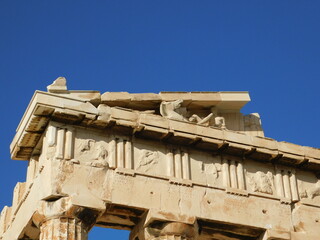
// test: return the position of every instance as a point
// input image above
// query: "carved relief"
(203, 121)
(96, 151)
(209, 169)
(314, 192)
(311, 193)
(86, 145)
(219, 121)
(211, 172)
(100, 157)
(100, 152)
(261, 182)
(174, 110)
(147, 159)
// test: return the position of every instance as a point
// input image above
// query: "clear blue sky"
(269, 48)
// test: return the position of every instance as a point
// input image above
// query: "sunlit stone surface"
(173, 165)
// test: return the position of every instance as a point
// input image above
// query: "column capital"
(154, 228)
(63, 208)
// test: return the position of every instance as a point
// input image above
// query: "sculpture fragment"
(312, 192)
(174, 110)
(261, 182)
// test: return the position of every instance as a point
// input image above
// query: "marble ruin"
(173, 165)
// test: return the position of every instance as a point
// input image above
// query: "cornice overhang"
(45, 107)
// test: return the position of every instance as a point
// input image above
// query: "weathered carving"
(261, 182)
(99, 154)
(147, 160)
(311, 193)
(211, 172)
(219, 121)
(100, 157)
(173, 110)
(183, 175)
(86, 145)
(314, 192)
(203, 121)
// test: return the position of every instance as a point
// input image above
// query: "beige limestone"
(173, 165)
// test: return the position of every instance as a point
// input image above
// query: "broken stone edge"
(45, 107)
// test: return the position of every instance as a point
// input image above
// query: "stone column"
(62, 220)
(63, 228)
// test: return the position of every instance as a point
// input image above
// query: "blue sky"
(269, 48)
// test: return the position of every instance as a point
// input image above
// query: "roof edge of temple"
(45, 107)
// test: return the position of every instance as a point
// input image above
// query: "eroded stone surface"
(165, 166)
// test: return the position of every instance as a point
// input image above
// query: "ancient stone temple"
(173, 165)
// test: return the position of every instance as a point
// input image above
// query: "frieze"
(168, 165)
(261, 182)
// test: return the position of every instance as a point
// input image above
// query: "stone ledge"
(47, 106)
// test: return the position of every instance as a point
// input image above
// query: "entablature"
(168, 165)
(45, 107)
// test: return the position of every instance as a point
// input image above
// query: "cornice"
(45, 107)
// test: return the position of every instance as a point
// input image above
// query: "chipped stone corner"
(173, 165)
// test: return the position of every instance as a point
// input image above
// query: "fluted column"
(63, 228)
(62, 220)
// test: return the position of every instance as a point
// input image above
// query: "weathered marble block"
(173, 165)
